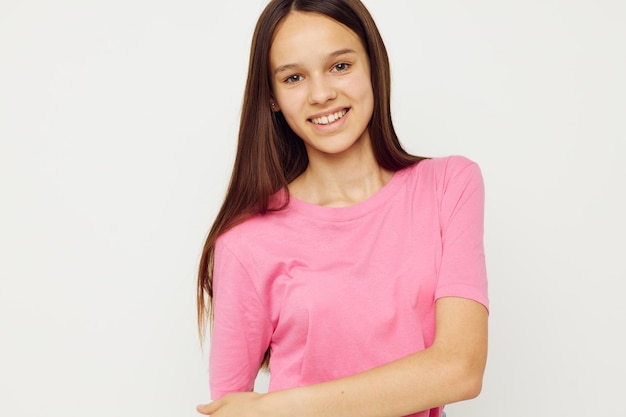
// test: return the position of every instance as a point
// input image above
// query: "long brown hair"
(269, 154)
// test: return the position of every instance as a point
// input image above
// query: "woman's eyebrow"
(335, 54)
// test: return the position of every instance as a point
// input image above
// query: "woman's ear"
(274, 105)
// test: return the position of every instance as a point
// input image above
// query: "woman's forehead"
(304, 36)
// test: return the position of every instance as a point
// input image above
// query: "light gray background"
(118, 122)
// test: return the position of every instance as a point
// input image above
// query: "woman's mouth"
(330, 118)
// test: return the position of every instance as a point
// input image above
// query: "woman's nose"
(321, 90)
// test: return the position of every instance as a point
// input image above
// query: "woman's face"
(321, 83)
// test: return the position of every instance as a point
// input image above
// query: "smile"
(328, 119)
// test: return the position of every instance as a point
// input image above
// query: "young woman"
(353, 268)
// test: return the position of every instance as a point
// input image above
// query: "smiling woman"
(322, 86)
(352, 267)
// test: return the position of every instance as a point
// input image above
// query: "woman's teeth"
(324, 120)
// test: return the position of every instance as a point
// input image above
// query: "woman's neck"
(340, 180)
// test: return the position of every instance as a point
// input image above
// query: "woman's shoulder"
(245, 230)
(441, 176)
(256, 228)
(445, 162)
(443, 167)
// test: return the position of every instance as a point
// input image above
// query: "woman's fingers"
(207, 409)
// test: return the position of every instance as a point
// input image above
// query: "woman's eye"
(293, 78)
(341, 67)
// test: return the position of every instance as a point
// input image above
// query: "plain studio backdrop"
(118, 124)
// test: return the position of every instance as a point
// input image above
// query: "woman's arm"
(450, 370)
(241, 328)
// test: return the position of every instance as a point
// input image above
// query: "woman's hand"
(240, 404)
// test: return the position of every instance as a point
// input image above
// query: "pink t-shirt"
(336, 291)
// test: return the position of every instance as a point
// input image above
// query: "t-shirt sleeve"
(462, 272)
(241, 329)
